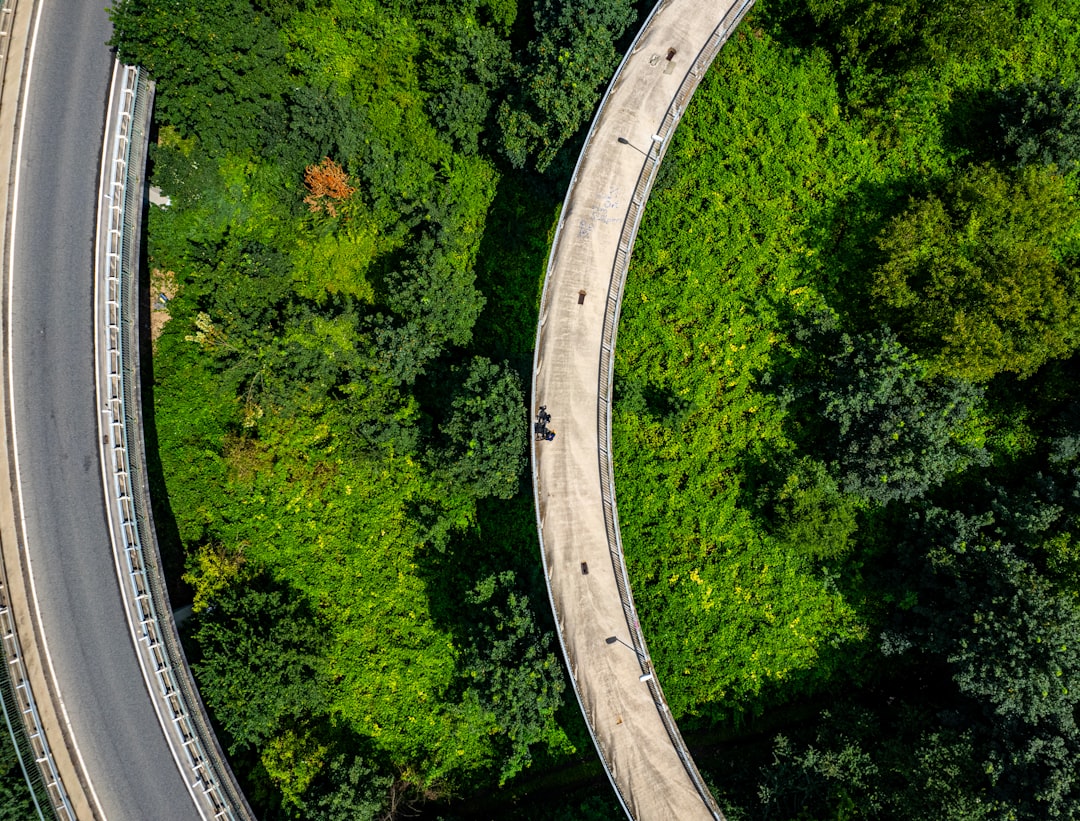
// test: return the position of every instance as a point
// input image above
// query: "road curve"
(59, 504)
(641, 748)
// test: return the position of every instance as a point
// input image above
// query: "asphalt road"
(112, 719)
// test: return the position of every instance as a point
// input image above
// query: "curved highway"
(59, 507)
(642, 750)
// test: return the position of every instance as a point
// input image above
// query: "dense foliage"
(573, 54)
(366, 630)
(16, 803)
(1040, 122)
(847, 456)
(982, 279)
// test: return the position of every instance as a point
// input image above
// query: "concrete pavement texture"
(67, 550)
(621, 700)
(69, 790)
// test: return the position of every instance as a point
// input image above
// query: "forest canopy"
(338, 397)
(847, 446)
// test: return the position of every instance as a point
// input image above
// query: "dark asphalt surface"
(114, 723)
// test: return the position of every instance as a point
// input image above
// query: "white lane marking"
(72, 742)
(109, 156)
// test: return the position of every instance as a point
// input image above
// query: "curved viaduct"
(646, 760)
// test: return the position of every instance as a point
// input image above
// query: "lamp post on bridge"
(644, 677)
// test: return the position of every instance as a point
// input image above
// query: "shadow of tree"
(971, 125)
(844, 238)
(653, 399)
(167, 532)
(511, 263)
(258, 655)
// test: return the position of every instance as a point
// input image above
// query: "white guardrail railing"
(179, 708)
(607, 368)
(47, 793)
(28, 737)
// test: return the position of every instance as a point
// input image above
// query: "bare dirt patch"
(163, 288)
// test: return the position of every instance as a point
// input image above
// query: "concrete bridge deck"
(645, 757)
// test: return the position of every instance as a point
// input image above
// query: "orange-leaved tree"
(327, 182)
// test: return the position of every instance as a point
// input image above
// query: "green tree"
(811, 514)
(223, 63)
(883, 34)
(976, 277)
(434, 290)
(890, 433)
(1041, 123)
(1012, 645)
(1019, 654)
(820, 780)
(511, 670)
(463, 79)
(249, 291)
(403, 350)
(322, 122)
(16, 803)
(568, 62)
(259, 666)
(486, 430)
(877, 763)
(348, 789)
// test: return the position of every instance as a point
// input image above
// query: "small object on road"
(540, 428)
(584, 568)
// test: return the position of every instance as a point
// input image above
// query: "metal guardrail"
(50, 799)
(613, 307)
(176, 700)
(570, 662)
(47, 791)
(607, 370)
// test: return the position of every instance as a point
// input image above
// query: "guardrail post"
(168, 678)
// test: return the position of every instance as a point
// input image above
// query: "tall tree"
(260, 665)
(223, 60)
(1041, 123)
(878, 34)
(889, 432)
(1012, 644)
(463, 79)
(486, 430)
(570, 59)
(348, 789)
(976, 277)
(512, 671)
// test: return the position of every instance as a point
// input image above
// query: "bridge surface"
(118, 764)
(643, 752)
